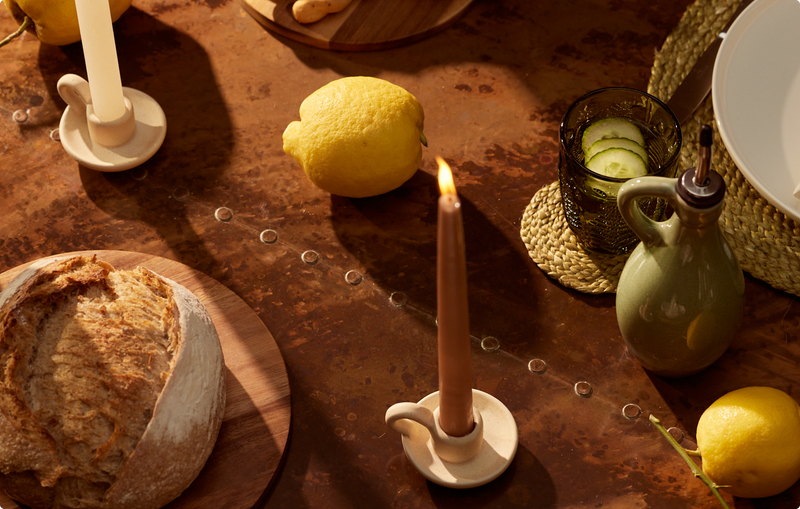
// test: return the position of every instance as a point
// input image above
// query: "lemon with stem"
(53, 21)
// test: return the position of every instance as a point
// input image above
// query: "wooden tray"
(364, 25)
(255, 428)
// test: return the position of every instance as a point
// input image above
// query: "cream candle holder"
(109, 146)
(457, 462)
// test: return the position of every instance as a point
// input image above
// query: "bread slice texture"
(111, 387)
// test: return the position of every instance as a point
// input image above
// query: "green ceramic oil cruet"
(680, 297)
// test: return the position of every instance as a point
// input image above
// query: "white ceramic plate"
(756, 96)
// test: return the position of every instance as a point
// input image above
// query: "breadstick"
(309, 11)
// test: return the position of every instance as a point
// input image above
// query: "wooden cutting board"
(255, 428)
(364, 25)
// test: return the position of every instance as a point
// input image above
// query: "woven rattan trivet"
(765, 241)
(554, 248)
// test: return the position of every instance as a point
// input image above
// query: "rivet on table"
(310, 257)
(676, 433)
(223, 214)
(353, 277)
(20, 116)
(181, 194)
(139, 174)
(398, 299)
(55, 135)
(537, 366)
(490, 343)
(583, 389)
(631, 411)
(268, 236)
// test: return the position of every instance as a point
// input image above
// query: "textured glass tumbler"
(590, 199)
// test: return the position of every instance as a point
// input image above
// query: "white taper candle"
(100, 52)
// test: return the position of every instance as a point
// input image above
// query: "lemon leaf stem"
(685, 455)
(24, 26)
(423, 139)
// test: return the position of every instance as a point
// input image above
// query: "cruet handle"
(645, 228)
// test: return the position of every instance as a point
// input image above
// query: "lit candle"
(100, 52)
(455, 371)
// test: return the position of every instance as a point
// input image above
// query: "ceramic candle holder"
(109, 146)
(456, 462)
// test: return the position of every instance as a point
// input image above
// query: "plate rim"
(718, 95)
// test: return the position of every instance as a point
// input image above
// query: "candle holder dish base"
(481, 464)
(114, 146)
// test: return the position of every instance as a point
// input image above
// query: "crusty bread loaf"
(111, 387)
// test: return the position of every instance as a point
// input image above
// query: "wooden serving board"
(255, 427)
(364, 25)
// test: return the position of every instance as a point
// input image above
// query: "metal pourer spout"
(701, 186)
(704, 157)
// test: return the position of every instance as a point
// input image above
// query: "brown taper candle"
(455, 370)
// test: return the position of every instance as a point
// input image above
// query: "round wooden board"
(255, 428)
(364, 25)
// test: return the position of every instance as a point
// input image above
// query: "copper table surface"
(494, 86)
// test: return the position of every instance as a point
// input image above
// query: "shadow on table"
(534, 43)
(199, 138)
(764, 352)
(526, 483)
(395, 237)
(786, 500)
(502, 279)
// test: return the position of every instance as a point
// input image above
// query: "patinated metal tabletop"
(347, 286)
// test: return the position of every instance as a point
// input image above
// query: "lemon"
(56, 21)
(357, 136)
(749, 439)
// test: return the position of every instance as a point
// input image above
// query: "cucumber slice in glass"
(607, 143)
(613, 127)
(618, 163)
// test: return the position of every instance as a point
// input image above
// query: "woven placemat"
(766, 242)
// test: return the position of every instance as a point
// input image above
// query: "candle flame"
(446, 184)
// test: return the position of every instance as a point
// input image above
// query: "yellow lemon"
(56, 21)
(749, 439)
(357, 136)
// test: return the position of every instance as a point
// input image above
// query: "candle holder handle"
(75, 92)
(400, 417)
(456, 462)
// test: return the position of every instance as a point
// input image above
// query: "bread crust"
(184, 422)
